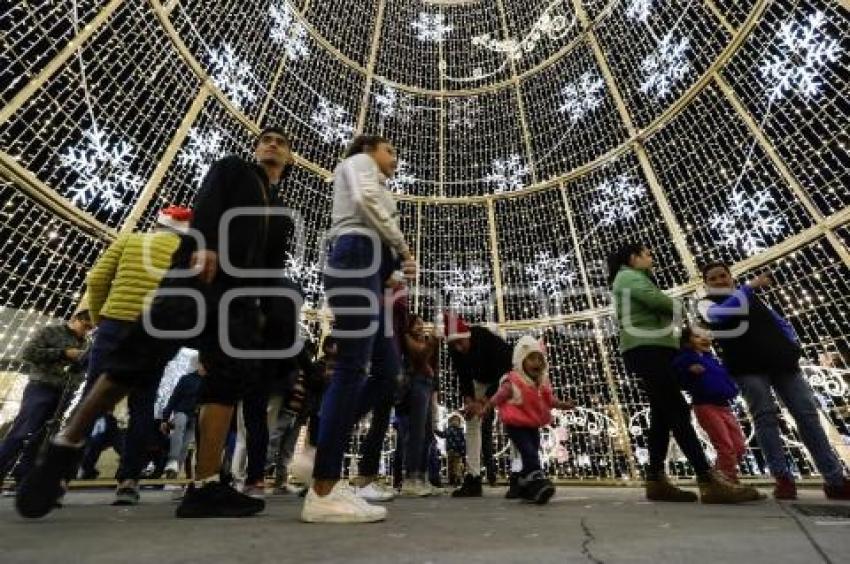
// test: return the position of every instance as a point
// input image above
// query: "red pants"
(726, 436)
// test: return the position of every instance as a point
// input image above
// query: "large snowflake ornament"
(103, 165)
(286, 30)
(402, 178)
(232, 75)
(333, 123)
(202, 148)
(618, 199)
(582, 96)
(639, 10)
(467, 288)
(508, 174)
(667, 65)
(749, 222)
(308, 275)
(463, 112)
(550, 274)
(391, 104)
(431, 27)
(804, 50)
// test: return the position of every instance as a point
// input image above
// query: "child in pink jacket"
(525, 401)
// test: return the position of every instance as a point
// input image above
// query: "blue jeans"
(110, 332)
(376, 395)
(420, 432)
(375, 344)
(527, 441)
(141, 431)
(38, 405)
(797, 396)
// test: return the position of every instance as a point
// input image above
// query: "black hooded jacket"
(489, 358)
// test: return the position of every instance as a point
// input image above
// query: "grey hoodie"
(362, 202)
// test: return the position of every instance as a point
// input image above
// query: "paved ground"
(580, 525)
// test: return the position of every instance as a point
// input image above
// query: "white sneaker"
(341, 505)
(376, 491)
(416, 488)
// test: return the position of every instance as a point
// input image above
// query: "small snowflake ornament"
(666, 66)
(508, 174)
(232, 75)
(618, 199)
(582, 96)
(431, 27)
(750, 221)
(332, 122)
(287, 31)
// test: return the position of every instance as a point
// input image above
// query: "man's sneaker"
(785, 488)
(416, 488)
(44, 486)
(536, 488)
(839, 491)
(513, 486)
(341, 505)
(717, 489)
(172, 470)
(256, 490)
(284, 489)
(471, 487)
(375, 491)
(126, 496)
(661, 489)
(215, 499)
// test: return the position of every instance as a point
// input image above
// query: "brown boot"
(717, 489)
(662, 490)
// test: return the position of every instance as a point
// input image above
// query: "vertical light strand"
(496, 261)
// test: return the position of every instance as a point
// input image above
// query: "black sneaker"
(126, 496)
(215, 499)
(43, 487)
(536, 488)
(471, 487)
(513, 486)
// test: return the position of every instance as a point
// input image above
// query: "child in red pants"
(712, 391)
(525, 401)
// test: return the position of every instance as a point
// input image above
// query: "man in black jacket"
(480, 358)
(222, 270)
(761, 351)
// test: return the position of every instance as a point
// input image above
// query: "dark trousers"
(420, 427)
(107, 337)
(254, 407)
(527, 441)
(38, 405)
(402, 426)
(668, 410)
(361, 338)
(141, 431)
(109, 436)
(375, 396)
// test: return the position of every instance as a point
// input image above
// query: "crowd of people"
(211, 277)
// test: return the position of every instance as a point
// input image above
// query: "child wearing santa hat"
(525, 401)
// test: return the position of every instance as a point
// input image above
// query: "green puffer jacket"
(121, 280)
(645, 315)
(46, 355)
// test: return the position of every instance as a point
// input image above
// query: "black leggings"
(668, 410)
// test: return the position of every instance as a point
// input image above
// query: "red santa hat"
(175, 217)
(456, 327)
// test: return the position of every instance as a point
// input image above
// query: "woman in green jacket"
(649, 323)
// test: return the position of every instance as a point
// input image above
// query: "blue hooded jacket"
(714, 386)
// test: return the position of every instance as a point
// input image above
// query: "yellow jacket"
(120, 280)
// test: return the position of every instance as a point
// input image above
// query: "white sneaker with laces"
(416, 488)
(341, 505)
(376, 491)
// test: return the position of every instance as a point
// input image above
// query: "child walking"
(525, 401)
(712, 390)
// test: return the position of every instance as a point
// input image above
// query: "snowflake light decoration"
(664, 67)
(201, 150)
(391, 104)
(332, 122)
(463, 112)
(551, 274)
(431, 27)
(748, 222)
(232, 75)
(466, 288)
(309, 276)
(287, 31)
(402, 178)
(508, 174)
(803, 52)
(618, 199)
(103, 166)
(582, 96)
(639, 10)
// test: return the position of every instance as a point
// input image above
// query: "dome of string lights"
(533, 137)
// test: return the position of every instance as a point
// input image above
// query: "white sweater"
(362, 202)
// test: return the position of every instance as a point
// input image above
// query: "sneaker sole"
(545, 495)
(342, 519)
(191, 513)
